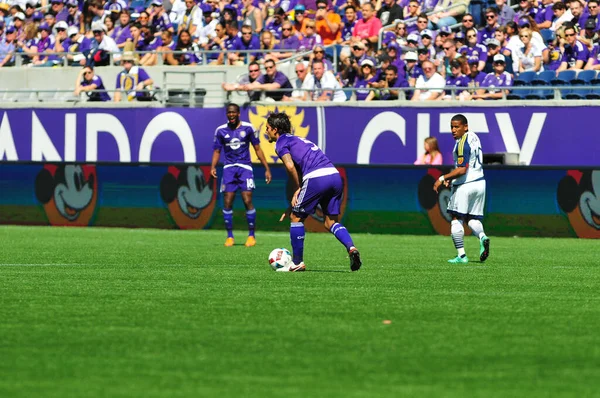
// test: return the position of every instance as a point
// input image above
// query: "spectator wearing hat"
(37, 17)
(59, 10)
(445, 33)
(588, 35)
(133, 80)
(475, 76)
(575, 54)
(494, 47)
(489, 89)
(460, 40)
(412, 40)
(30, 6)
(489, 30)
(413, 69)
(102, 46)
(251, 16)
(322, 85)
(45, 44)
(74, 15)
(115, 6)
(388, 91)
(393, 51)
(77, 46)
(19, 23)
(8, 46)
(554, 58)
(423, 54)
(366, 80)
(91, 84)
(389, 12)
(505, 12)
(327, 23)
(300, 19)
(455, 79)
(427, 37)
(351, 64)
(159, 19)
(208, 31)
(443, 16)
(368, 27)
(60, 36)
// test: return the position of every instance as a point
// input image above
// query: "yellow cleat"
(229, 242)
(251, 241)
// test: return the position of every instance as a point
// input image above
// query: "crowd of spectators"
(441, 48)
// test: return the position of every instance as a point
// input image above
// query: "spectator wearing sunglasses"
(251, 77)
(91, 84)
(318, 54)
(450, 54)
(575, 54)
(488, 31)
(468, 22)
(271, 80)
(529, 56)
(494, 47)
(77, 46)
(366, 80)
(301, 73)
(474, 49)
(289, 41)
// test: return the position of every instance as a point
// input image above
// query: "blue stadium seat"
(581, 85)
(584, 77)
(564, 78)
(595, 90)
(544, 78)
(524, 78)
(518, 94)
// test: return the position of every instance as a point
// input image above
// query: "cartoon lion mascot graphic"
(436, 204)
(68, 193)
(314, 223)
(190, 193)
(578, 195)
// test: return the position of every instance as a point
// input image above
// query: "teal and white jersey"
(467, 153)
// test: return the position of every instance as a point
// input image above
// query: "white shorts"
(468, 200)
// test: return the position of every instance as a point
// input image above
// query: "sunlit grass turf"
(118, 312)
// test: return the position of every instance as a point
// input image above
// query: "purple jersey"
(235, 143)
(492, 80)
(283, 82)
(308, 43)
(478, 50)
(96, 96)
(362, 84)
(305, 154)
(554, 60)
(544, 15)
(347, 30)
(121, 34)
(162, 23)
(595, 54)
(291, 43)
(486, 33)
(575, 53)
(82, 44)
(457, 81)
(274, 28)
(477, 80)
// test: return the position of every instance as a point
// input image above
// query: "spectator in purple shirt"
(499, 78)
(575, 54)
(272, 80)
(91, 84)
(475, 76)
(248, 41)
(8, 45)
(289, 41)
(348, 25)
(545, 16)
(189, 51)
(134, 80)
(474, 49)
(318, 54)
(75, 17)
(77, 46)
(44, 44)
(364, 81)
(455, 79)
(389, 91)
(489, 30)
(594, 60)
(159, 18)
(276, 23)
(311, 38)
(59, 10)
(122, 32)
(148, 43)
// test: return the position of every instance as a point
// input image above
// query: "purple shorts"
(236, 177)
(326, 191)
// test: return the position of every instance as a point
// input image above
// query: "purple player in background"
(234, 139)
(321, 185)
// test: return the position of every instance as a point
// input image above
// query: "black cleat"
(484, 250)
(355, 262)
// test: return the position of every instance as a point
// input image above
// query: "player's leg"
(330, 203)
(250, 217)
(228, 198)
(297, 235)
(457, 207)
(476, 205)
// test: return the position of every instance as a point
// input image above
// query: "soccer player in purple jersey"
(234, 139)
(321, 185)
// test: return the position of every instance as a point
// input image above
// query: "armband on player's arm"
(441, 179)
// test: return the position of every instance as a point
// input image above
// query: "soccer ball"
(280, 259)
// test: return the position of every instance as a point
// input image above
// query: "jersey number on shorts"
(250, 183)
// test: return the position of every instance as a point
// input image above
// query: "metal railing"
(307, 53)
(192, 87)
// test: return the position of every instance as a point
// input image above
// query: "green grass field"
(88, 312)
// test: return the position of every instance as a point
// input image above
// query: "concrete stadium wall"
(521, 201)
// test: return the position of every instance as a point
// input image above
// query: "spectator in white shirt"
(322, 86)
(430, 85)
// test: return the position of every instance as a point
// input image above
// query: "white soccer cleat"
(296, 268)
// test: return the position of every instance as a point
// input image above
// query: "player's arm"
(213, 164)
(462, 164)
(261, 156)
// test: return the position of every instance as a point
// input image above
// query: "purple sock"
(342, 234)
(297, 238)
(251, 218)
(228, 218)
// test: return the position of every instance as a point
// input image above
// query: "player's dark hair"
(236, 106)
(460, 118)
(281, 122)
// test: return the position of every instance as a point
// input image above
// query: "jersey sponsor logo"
(235, 143)
(578, 195)
(258, 118)
(68, 193)
(190, 194)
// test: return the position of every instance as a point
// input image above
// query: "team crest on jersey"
(436, 204)
(68, 193)
(258, 118)
(190, 194)
(578, 195)
(243, 134)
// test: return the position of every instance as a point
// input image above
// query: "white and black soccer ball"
(280, 259)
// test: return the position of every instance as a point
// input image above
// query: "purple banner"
(557, 136)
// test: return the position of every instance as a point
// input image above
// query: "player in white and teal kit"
(468, 189)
